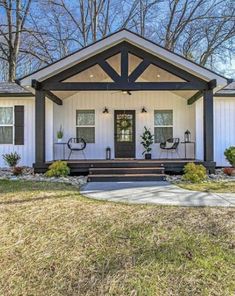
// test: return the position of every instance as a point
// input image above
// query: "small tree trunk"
(12, 70)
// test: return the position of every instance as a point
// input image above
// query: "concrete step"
(117, 171)
(126, 177)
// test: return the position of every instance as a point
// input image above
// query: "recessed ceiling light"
(91, 76)
(158, 75)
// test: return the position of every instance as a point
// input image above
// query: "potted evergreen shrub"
(147, 141)
(60, 135)
(229, 154)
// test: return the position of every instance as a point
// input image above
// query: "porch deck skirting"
(172, 166)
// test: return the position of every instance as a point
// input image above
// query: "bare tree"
(35, 33)
(91, 18)
(200, 29)
(14, 19)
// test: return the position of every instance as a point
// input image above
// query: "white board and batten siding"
(183, 118)
(224, 127)
(27, 151)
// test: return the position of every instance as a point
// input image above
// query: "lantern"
(108, 153)
(187, 136)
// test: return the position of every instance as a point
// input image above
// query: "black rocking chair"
(170, 145)
(76, 144)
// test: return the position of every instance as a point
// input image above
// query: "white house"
(106, 93)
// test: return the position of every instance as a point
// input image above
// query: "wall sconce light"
(106, 110)
(143, 110)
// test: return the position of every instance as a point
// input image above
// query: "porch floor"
(171, 166)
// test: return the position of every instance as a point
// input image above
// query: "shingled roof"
(13, 89)
(227, 91)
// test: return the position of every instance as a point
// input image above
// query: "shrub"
(194, 173)
(229, 153)
(58, 169)
(11, 159)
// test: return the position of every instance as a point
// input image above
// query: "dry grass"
(219, 187)
(54, 242)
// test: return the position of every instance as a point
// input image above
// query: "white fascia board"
(114, 39)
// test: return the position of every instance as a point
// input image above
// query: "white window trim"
(169, 125)
(10, 125)
(93, 125)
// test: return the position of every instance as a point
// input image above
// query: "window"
(85, 125)
(163, 125)
(6, 125)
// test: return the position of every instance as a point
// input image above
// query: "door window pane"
(124, 124)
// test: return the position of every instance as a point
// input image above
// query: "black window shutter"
(19, 125)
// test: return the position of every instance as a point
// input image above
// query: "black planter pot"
(148, 156)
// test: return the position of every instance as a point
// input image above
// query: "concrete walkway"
(161, 193)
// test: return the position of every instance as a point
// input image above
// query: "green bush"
(194, 173)
(11, 159)
(58, 169)
(229, 153)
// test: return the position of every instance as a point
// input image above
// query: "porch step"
(132, 171)
(126, 177)
(126, 164)
(127, 170)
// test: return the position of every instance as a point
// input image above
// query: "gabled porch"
(123, 79)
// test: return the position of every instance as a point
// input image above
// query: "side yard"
(217, 187)
(55, 242)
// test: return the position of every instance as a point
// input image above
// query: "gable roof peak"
(113, 39)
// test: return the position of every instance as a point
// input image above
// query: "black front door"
(124, 133)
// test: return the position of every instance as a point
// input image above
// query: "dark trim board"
(225, 95)
(10, 95)
(172, 166)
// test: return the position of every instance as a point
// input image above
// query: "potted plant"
(60, 135)
(147, 141)
(229, 154)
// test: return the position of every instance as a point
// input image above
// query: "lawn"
(219, 187)
(55, 242)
